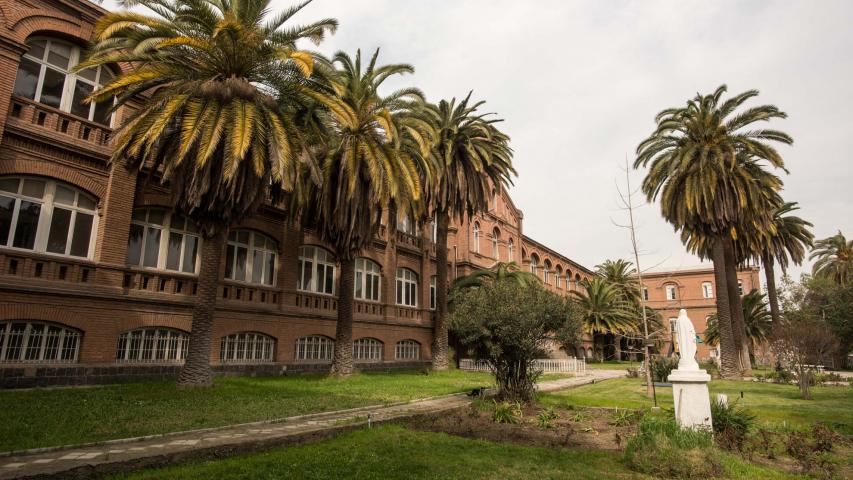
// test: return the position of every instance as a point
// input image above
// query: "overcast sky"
(579, 83)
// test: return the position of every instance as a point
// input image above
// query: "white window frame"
(71, 78)
(673, 322)
(707, 290)
(367, 273)
(645, 294)
(39, 341)
(546, 271)
(407, 350)
(46, 210)
(496, 253)
(476, 237)
(268, 248)
(510, 249)
(406, 292)
(406, 225)
(167, 345)
(367, 349)
(534, 264)
(166, 229)
(314, 257)
(314, 348)
(557, 276)
(671, 291)
(247, 347)
(433, 295)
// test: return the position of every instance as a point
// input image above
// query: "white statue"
(686, 342)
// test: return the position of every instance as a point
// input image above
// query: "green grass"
(42, 418)
(775, 405)
(610, 365)
(392, 452)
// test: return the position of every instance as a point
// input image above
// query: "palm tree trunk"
(736, 305)
(439, 336)
(196, 371)
(617, 347)
(772, 296)
(342, 364)
(728, 354)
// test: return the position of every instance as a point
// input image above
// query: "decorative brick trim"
(20, 166)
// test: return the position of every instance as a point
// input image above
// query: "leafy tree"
(217, 84)
(501, 271)
(508, 325)
(834, 258)
(705, 163)
(475, 158)
(364, 170)
(756, 317)
(603, 309)
(821, 298)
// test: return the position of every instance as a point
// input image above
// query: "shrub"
(731, 424)
(622, 418)
(711, 368)
(507, 412)
(663, 449)
(662, 367)
(579, 417)
(547, 417)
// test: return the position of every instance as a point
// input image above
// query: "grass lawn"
(42, 418)
(392, 452)
(610, 365)
(773, 404)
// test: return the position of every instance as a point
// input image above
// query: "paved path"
(121, 455)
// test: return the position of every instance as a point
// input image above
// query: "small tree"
(800, 343)
(508, 325)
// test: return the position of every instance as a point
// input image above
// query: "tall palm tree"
(834, 258)
(623, 276)
(474, 158)
(502, 271)
(787, 242)
(702, 161)
(364, 171)
(603, 309)
(757, 318)
(215, 80)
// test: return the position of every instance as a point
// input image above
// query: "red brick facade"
(102, 297)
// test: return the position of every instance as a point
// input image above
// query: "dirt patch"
(589, 428)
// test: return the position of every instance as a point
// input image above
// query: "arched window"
(316, 270)
(569, 278)
(534, 263)
(407, 287)
(546, 271)
(406, 225)
(367, 349)
(45, 76)
(493, 202)
(671, 291)
(25, 341)
(407, 350)
(558, 275)
(367, 279)
(496, 235)
(250, 257)
(152, 345)
(432, 294)
(433, 230)
(510, 248)
(707, 290)
(246, 347)
(46, 216)
(315, 347)
(163, 240)
(476, 237)
(645, 294)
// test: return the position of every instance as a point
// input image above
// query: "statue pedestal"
(692, 400)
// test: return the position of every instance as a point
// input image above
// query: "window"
(433, 230)
(534, 261)
(740, 287)
(315, 347)
(163, 240)
(46, 216)
(367, 349)
(510, 246)
(494, 201)
(670, 292)
(152, 345)
(476, 237)
(250, 257)
(316, 270)
(673, 324)
(44, 75)
(407, 350)
(558, 272)
(406, 225)
(38, 342)
(546, 271)
(645, 294)
(496, 235)
(707, 290)
(407, 287)
(246, 347)
(432, 294)
(366, 280)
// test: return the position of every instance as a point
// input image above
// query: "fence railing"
(573, 366)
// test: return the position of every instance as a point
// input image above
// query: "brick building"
(98, 275)
(694, 290)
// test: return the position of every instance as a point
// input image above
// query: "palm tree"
(474, 158)
(757, 318)
(834, 258)
(502, 271)
(215, 81)
(786, 243)
(623, 276)
(603, 309)
(363, 172)
(703, 159)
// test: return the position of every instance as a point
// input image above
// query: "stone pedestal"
(692, 400)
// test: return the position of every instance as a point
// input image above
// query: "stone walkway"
(84, 461)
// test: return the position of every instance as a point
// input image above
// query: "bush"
(622, 418)
(711, 368)
(663, 449)
(662, 367)
(507, 412)
(731, 424)
(547, 417)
